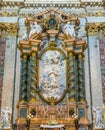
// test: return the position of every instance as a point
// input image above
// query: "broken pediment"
(52, 18)
(52, 25)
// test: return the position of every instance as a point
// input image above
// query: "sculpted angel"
(35, 28)
(25, 36)
(69, 29)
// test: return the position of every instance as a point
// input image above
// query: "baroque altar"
(52, 88)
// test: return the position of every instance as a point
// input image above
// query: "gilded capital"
(72, 100)
(24, 56)
(80, 56)
(70, 54)
(2, 27)
(33, 54)
(93, 28)
(33, 100)
(10, 28)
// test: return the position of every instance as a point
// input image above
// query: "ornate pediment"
(52, 24)
(52, 18)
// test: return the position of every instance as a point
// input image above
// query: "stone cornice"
(80, 15)
(44, 4)
(10, 28)
(81, 9)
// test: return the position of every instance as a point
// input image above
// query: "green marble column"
(34, 75)
(71, 87)
(81, 84)
(23, 87)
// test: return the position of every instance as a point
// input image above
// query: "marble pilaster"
(96, 86)
(18, 68)
(8, 79)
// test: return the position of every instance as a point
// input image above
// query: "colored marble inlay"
(102, 52)
(2, 53)
(2, 59)
(102, 62)
(1, 84)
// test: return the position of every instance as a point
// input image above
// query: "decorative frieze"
(76, 14)
(44, 4)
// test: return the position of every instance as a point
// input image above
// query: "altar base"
(6, 129)
(98, 128)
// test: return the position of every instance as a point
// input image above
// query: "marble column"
(24, 74)
(95, 71)
(8, 79)
(34, 73)
(81, 77)
(71, 79)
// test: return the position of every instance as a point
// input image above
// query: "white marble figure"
(6, 118)
(97, 117)
(81, 32)
(69, 29)
(25, 36)
(35, 28)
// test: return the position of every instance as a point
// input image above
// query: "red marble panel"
(103, 87)
(102, 52)
(2, 59)
(1, 84)
(102, 62)
(2, 53)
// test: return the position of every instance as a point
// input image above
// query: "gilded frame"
(52, 48)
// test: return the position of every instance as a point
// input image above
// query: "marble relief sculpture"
(52, 79)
